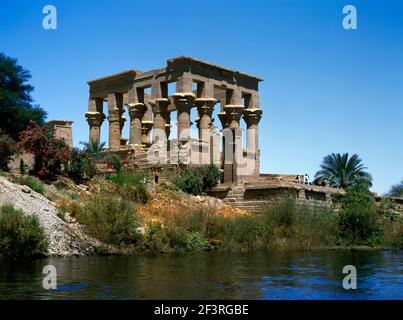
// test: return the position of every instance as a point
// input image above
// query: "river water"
(276, 275)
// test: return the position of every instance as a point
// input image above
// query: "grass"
(20, 235)
(34, 183)
(110, 220)
(130, 185)
(393, 234)
(173, 226)
(284, 226)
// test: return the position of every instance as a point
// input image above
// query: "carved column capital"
(94, 118)
(252, 116)
(159, 105)
(234, 113)
(184, 101)
(205, 105)
(137, 110)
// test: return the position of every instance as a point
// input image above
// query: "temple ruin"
(150, 105)
(158, 104)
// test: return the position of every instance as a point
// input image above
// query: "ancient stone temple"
(147, 102)
(158, 106)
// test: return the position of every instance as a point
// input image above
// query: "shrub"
(198, 179)
(31, 182)
(285, 213)
(50, 153)
(190, 181)
(8, 148)
(156, 239)
(190, 241)
(394, 234)
(211, 176)
(130, 185)
(358, 219)
(80, 166)
(113, 161)
(20, 235)
(109, 220)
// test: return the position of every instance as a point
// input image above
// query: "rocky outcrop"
(64, 238)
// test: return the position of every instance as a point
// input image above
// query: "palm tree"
(94, 149)
(95, 152)
(340, 171)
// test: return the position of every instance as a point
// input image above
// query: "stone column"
(95, 120)
(136, 112)
(95, 117)
(146, 127)
(252, 118)
(205, 107)
(114, 128)
(159, 107)
(233, 141)
(116, 121)
(122, 120)
(183, 102)
(168, 124)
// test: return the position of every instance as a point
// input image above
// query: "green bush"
(155, 240)
(285, 213)
(198, 179)
(130, 185)
(211, 176)
(358, 219)
(113, 161)
(194, 241)
(20, 235)
(109, 220)
(31, 182)
(79, 167)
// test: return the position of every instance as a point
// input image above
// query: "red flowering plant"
(50, 152)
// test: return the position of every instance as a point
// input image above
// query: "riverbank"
(123, 215)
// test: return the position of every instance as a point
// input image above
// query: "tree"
(16, 108)
(8, 148)
(396, 190)
(342, 171)
(94, 149)
(359, 218)
(95, 152)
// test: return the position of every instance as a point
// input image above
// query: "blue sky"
(326, 89)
